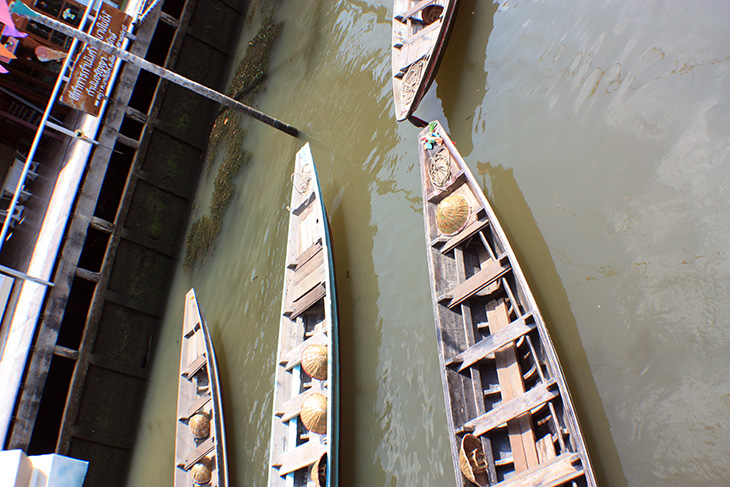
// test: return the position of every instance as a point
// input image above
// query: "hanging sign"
(93, 68)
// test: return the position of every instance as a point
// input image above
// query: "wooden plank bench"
(307, 276)
(418, 35)
(302, 456)
(304, 204)
(471, 229)
(487, 275)
(196, 455)
(414, 10)
(294, 356)
(308, 254)
(195, 366)
(512, 409)
(293, 406)
(561, 470)
(196, 406)
(307, 301)
(490, 344)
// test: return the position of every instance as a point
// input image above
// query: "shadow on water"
(348, 405)
(226, 384)
(459, 80)
(532, 251)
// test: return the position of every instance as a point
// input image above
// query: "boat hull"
(199, 394)
(308, 322)
(421, 29)
(510, 415)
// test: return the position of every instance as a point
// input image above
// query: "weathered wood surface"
(501, 376)
(415, 39)
(198, 391)
(195, 407)
(308, 317)
(560, 471)
(491, 272)
(294, 356)
(488, 345)
(300, 457)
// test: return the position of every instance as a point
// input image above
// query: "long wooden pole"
(153, 68)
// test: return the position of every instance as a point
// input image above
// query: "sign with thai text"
(93, 68)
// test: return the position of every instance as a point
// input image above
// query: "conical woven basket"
(452, 214)
(314, 361)
(314, 413)
(472, 462)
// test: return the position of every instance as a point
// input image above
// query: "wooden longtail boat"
(200, 447)
(305, 422)
(420, 31)
(510, 417)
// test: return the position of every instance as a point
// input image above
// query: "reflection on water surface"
(598, 129)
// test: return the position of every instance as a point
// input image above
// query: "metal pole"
(24, 276)
(41, 125)
(153, 68)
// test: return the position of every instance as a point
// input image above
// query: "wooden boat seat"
(302, 456)
(304, 204)
(487, 275)
(513, 408)
(493, 342)
(418, 35)
(308, 254)
(437, 195)
(414, 10)
(307, 301)
(294, 356)
(559, 471)
(307, 276)
(195, 366)
(293, 406)
(196, 455)
(195, 407)
(192, 328)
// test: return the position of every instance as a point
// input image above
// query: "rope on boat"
(439, 170)
(305, 178)
(412, 80)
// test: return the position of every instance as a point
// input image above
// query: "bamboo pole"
(19, 8)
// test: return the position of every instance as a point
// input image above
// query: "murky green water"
(600, 131)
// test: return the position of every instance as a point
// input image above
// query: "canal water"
(599, 131)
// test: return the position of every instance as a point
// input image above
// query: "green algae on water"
(226, 131)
